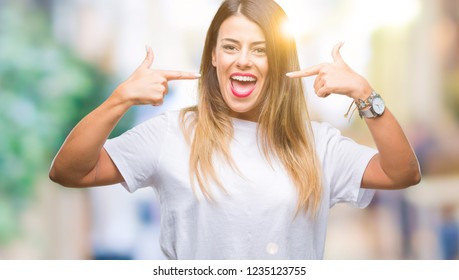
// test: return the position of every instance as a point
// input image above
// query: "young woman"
(245, 174)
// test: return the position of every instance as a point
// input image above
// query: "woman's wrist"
(362, 93)
(119, 102)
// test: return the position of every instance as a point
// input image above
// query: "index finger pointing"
(180, 75)
(310, 71)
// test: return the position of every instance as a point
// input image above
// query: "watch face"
(378, 105)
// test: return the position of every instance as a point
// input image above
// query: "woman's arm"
(82, 161)
(395, 166)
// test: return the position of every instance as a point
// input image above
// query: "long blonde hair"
(284, 125)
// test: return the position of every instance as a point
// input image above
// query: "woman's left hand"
(336, 77)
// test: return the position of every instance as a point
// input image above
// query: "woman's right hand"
(148, 86)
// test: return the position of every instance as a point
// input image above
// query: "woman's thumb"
(148, 59)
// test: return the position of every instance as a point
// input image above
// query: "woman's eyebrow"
(237, 42)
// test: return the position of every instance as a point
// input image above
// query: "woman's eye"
(260, 50)
(229, 48)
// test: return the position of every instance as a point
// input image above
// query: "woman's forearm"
(396, 155)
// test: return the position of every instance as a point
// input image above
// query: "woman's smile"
(243, 84)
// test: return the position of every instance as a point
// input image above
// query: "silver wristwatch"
(372, 107)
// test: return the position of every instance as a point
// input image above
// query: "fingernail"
(147, 47)
(197, 75)
(289, 74)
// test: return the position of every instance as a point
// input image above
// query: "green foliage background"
(45, 89)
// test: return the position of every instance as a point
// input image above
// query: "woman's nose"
(244, 60)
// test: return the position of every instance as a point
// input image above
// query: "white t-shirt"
(256, 219)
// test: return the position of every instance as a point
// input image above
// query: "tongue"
(242, 87)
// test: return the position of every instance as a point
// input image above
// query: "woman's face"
(242, 66)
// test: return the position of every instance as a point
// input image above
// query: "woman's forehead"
(240, 28)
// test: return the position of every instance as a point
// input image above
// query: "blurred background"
(60, 59)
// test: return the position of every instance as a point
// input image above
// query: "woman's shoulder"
(325, 136)
(169, 118)
(323, 129)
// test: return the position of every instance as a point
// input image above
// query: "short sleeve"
(343, 162)
(137, 152)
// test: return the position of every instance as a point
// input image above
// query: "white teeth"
(244, 78)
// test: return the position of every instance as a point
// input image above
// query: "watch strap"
(368, 113)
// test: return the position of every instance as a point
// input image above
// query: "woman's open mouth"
(243, 84)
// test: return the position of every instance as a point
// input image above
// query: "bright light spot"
(288, 29)
(301, 20)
